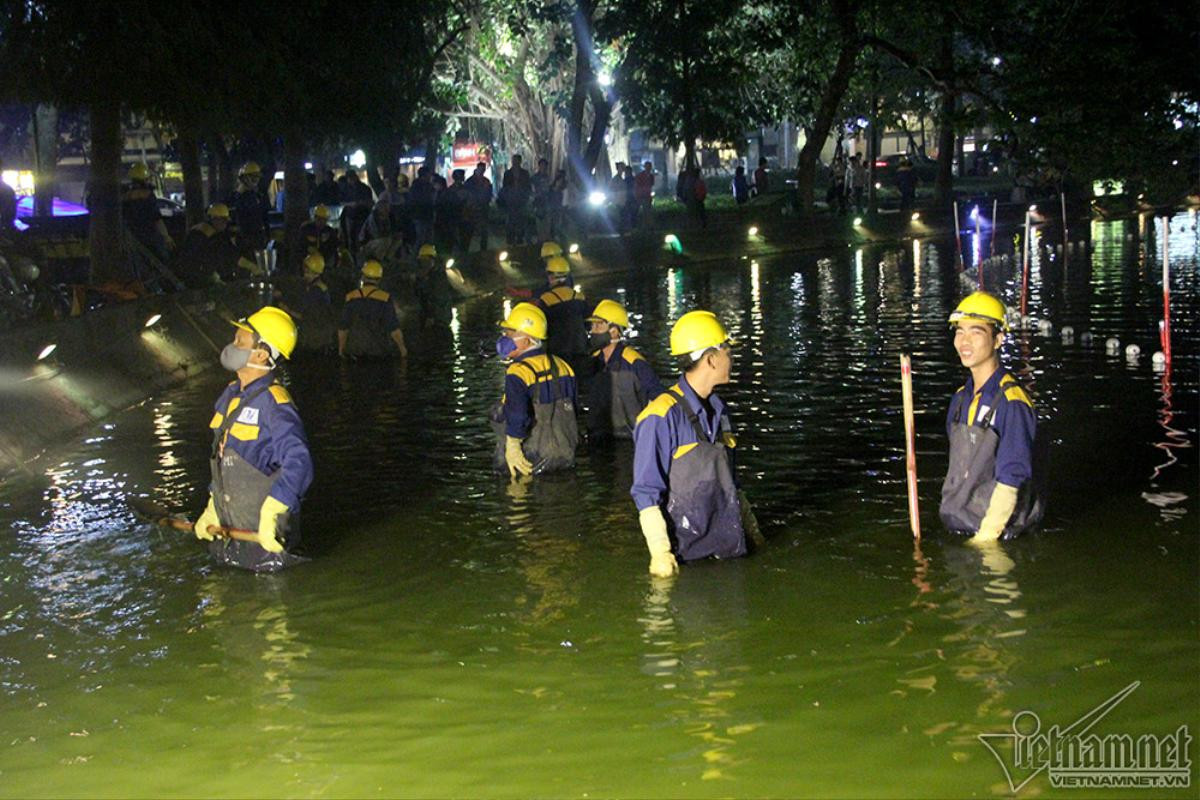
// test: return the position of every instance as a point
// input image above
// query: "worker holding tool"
(689, 504)
(989, 492)
(260, 462)
(534, 420)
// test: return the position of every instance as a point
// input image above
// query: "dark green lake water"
(456, 635)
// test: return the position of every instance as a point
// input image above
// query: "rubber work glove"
(1000, 508)
(268, 521)
(749, 521)
(209, 517)
(654, 529)
(514, 456)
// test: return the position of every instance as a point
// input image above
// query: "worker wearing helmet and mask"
(624, 381)
(989, 492)
(208, 252)
(534, 420)
(689, 504)
(260, 461)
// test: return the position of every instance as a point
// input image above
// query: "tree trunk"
(581, 28)
(831, 99)
(45, 144)
(295, 201)
(602, 112)
(105, 237)
(213, 194)
(188, 145)
(873, 154)
(943, 187)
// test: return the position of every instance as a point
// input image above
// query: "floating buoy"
(1045, 327)
(1132, 351)
(1112, 345)
(1085, 338)
(1159, 359)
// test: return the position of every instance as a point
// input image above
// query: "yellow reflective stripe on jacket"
(631, 355)
(536, 369)
(659, 406)
(240, 430)
(684, 449)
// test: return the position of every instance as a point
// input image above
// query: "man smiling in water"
(989, 491)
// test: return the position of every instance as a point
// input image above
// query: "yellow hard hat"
(218, 211)
(981, 306)
(427, 251)
(551, 249)
(372, 269)
(612, 312)
(321, 211)
(314, 263)
(558, 265)
(139, 172)
(250, 168)
(528, 319)
(273, 326)
(697, 330)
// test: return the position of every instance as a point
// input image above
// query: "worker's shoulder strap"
(551, 369)
(244, 402)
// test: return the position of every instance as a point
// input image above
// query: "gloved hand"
(209, 517)
(749, 521)
(654, 529)
(1000, 508)
(268, 522)
(514, 456)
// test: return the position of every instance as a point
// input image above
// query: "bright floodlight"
(503, 256)
(150, 323)
(46, 351)
(597, 199)
(753, 230)
(573, 249)
(858, 220)
(449, 263)
(358, 159)
(916, 216)
(604, 79)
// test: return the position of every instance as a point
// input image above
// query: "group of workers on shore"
(557, 346)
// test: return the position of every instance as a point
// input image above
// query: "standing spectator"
(451, 205)
(514, 196)
(630, 200)
(906, 182)
(480, 190)
(378, 224)
(556, 197)
(741, 188)
(856, 181)
(421, 199)
(836, 196)
(541, 199)
(762, 179)
(643, 194)
(326, 192)
(616, 196)
(357, 202)
(699, 195)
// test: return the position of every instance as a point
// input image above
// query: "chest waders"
(368, 337)
(238, 491)
(567, 334)
(970, 480)
(702, 501)
(617, 398)
(554, 436)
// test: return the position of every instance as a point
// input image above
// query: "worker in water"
(320, 236)
(260, 462)
(309, 302)
(139, 209)
(534, 421)
(688, 500)
(369, 326)
(208, 252)
(250, 211)
(624, 381)
(989, 492)
(432, 288)
(566, 311)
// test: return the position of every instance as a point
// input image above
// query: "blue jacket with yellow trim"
(371, 305)
(1015, 422)
(625, 357)
(268, 434)
(664, 433)
(528, 373)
